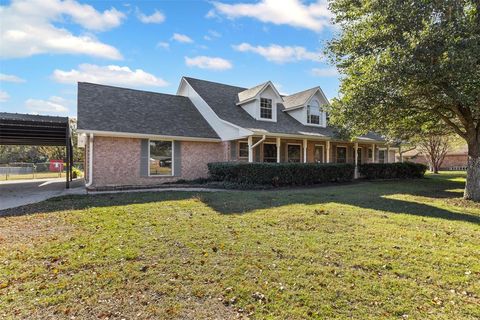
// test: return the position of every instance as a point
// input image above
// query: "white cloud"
(52, 105)
(212, 34)
(313, 16)
(28, 28)
(182, 38)
(325, 72)
(163, 45)
(10, 78)
(113, 75)
(4, 96)
(155, 17)
(212, 63)
(280, 54)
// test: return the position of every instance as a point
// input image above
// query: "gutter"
(90, 161)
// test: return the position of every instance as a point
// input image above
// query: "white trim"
(173, 160)
(144, 136)
(90, 161)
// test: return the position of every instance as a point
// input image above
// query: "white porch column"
(356, 161)
(388, 153)
(373, 153)
(250, 150)
(328, 152)
(278, 150)
(304, 150)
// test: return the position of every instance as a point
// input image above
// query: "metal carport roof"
(37, 130)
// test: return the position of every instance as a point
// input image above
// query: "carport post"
(67, 153)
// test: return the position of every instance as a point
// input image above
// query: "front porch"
(308, 150)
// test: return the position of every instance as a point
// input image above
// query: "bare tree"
(435, 148)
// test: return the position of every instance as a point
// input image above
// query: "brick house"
(455, 159)
(139, 138)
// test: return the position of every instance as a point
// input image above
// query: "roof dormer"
(261, 101)
(308, 107)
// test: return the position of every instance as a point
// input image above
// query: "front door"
(318, 156)
(359, 155)
(269, 152)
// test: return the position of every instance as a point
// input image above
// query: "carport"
(36, 130)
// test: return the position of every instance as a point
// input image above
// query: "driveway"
(21, 192)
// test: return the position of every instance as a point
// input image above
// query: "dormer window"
(314, 114)
(265, 108)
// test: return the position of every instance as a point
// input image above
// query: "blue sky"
(46, 46)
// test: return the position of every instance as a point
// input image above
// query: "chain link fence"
(24, 170)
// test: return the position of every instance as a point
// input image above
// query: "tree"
(435, 148)
(406, 63)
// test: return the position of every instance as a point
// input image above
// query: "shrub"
(76, 173)
(399, 170)
(280, 174)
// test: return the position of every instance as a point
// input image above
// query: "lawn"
(367, 250)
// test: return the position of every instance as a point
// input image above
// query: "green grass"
(366, 250)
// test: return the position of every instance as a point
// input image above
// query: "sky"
(47, 46)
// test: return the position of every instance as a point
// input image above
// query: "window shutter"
(233, 150)
(177, 159)
(283, 150)
(144, 158)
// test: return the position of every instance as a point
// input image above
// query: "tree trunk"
(472, 186)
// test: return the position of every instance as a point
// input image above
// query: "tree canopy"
(406, 64)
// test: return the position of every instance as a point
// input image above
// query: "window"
(318, 154)
(293, 153)
(243, 150)
(370, 153)
(381, 156)
(265, 108)
(160, 158)
(341, 154)
(314, 113)
(269, 152)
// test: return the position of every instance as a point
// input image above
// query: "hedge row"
(280, 174)
(399, 170)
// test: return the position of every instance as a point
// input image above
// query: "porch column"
(373, 153)
(304, 150)
(388, 153)
(328, 152)
(356, 161)
(250, 151)
(278, 150)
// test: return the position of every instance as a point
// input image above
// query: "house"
(455, 159)
(139, 138)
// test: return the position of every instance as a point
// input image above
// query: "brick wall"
(454, 160)
(116, 161)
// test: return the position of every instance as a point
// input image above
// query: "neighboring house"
(455, 159)
(135, 138)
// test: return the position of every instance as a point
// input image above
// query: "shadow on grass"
(367, 195)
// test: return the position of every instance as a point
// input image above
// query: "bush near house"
(400, 170)
(280, 174)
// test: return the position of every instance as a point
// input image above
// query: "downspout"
(251, 147)
(90, 161)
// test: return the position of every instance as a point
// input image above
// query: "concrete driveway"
(21, 192)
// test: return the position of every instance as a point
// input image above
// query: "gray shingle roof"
(222, 97)
(248, 94)
(298, 99)
(107, 108)
(32, 117)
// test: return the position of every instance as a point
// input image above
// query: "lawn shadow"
(377, 195)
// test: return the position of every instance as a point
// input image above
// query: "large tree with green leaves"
(406, 63)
